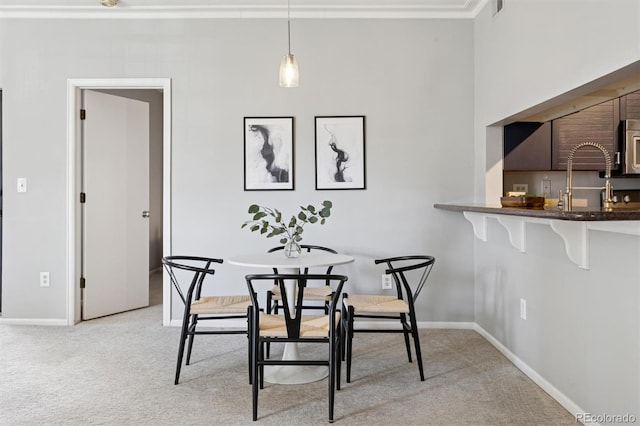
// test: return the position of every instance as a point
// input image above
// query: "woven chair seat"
(310, 293)
(310, 326)
(376, 303)
(221, 305)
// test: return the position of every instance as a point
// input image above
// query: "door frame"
(74, 161)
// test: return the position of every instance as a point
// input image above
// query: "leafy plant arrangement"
(271, 222)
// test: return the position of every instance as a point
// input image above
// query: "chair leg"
(344, 320)
(338, 356)
(192, 329)
(416, 342)
(261, 345)
(332, 375)
(183, 339)
(269, 308)
(269, 301)
(255, 378)
(405, 331)
(250, 344)
(342, 326)
(349, 339)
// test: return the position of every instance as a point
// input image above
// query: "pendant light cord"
(289, 26)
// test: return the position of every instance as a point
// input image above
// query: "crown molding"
(468, 10)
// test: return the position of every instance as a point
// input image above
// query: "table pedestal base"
(293, 374)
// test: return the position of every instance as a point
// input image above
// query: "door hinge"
(83, 198)
(83, 282)
(83, 114)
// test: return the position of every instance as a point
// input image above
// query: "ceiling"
(417, 9)
(616, 84)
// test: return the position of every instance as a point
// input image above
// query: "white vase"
(292, 249)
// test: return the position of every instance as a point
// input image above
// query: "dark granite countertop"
(577, 214)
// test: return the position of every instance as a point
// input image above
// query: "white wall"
(413, 81)
(582, 333)
(535, 50)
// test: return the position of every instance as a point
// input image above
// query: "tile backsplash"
(538, 182)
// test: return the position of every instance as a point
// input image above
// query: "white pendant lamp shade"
(289, 75)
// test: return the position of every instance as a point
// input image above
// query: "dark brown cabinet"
(598, 124)
(630, 106)
(527, 146)
(546, 146)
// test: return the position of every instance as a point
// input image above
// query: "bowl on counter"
(523, 202)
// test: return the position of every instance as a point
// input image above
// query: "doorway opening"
(158, 91)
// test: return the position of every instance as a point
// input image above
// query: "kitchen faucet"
(607, 195)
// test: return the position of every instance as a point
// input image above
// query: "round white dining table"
(291, 374)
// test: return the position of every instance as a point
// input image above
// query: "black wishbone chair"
(315, 298)
(294, 327)
(410, 274)
(202, 308)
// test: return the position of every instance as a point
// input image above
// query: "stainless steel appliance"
(626, 199)
(631, 147)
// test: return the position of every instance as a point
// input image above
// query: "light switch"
(22, 184)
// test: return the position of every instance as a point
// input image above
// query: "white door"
(115, 240)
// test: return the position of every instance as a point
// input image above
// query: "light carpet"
(119, 370)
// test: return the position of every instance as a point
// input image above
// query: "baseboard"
(33, 321)
(381, 325)
(393, 324)
(562, 399)
(447, 325)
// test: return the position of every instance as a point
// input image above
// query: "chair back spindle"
(399, 272)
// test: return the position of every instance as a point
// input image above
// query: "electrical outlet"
(520, 187)
(21, 185)
(44, 279)
(386, 282)
(523, 309)
(546, 188)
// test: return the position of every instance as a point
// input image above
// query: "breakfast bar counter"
(573, 226)
(577, 214)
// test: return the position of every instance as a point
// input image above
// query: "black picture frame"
(268, 154)
(340, 152)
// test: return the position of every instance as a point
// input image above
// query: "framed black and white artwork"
(268, 153)
(340, 160)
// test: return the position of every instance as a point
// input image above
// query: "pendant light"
(289, 75)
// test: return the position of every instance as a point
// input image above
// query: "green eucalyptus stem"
(288, 231)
